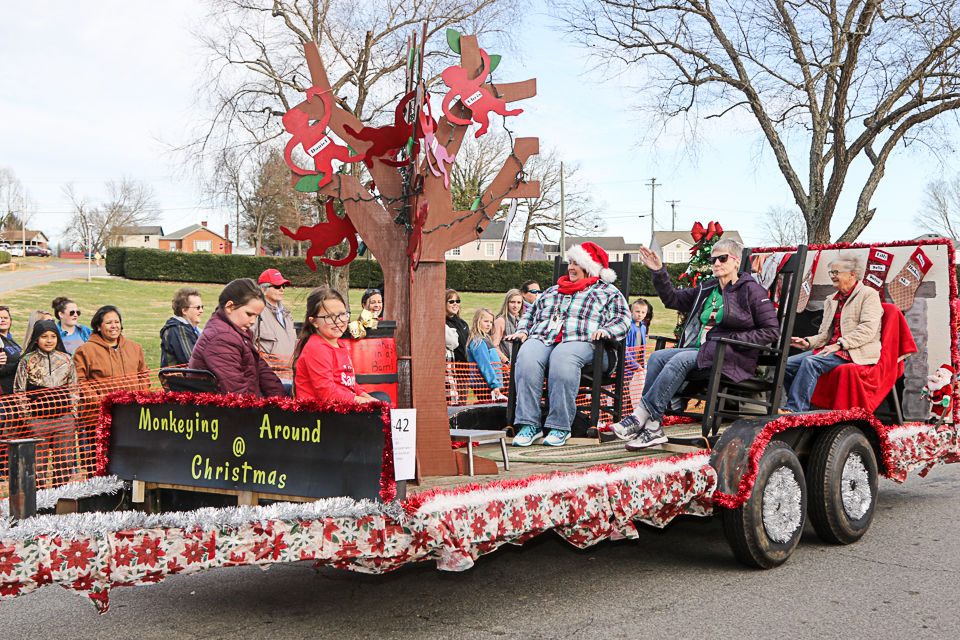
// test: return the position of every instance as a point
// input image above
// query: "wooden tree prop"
(410, 247)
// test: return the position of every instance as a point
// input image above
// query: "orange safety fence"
(65, 418)
(465, 385)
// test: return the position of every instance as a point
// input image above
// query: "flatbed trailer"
(764, 476)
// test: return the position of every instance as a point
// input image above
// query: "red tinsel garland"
(862, 416)
(414, 502)
(388, 486)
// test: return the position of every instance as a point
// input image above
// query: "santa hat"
(593, 260)
(947, 367)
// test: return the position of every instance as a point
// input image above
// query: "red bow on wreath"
(699, 233)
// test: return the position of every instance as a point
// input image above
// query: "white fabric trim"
(562, 483)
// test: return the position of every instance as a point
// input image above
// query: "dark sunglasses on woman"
(721, 259)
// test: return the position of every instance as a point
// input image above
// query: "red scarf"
(568, 288)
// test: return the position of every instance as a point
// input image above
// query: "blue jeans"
(566, 359)
(666, 371)
(800, 379)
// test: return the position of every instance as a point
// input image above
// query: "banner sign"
(265, 449)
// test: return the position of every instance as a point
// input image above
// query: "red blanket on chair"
(864, 385)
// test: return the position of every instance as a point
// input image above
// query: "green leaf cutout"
(410, 58)
(453, 39)
(475, 205)
(309, 184)
(494, 61)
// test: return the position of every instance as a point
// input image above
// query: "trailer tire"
(765, 530)
(842, 480)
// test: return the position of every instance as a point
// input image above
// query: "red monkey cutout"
(474, 96)
(327, 234)
(433, 147)
(314, 139)
(387, 140)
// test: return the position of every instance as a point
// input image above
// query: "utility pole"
(563, 219)
(673, 214)
(653, 189)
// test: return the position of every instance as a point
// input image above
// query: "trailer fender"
(736, 453)
(731, 454)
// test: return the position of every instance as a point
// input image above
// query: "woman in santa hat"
(558, 330)
(726, 306)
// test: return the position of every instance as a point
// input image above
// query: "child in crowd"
(322, 367)
(642, 315)
(45, 364)
(480, 349)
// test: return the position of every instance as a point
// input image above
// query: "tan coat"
(272, 337)
(859, 325)
(96, 360)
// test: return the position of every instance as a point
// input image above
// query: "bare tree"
(941, 208)
(128, 203)
(271, 202)
(783, 227)
(12, 195)
(475, 168)
(256, 70)
(855, 80)
(541, 215)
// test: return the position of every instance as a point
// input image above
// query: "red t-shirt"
(325, 372)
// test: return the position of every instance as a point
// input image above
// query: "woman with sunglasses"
(725, 306)
(458, 324)
(182, 330)
(72, 332)
(226, 347)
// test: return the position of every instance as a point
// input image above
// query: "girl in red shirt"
(322, 368)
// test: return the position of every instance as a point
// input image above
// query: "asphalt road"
(899, 581)
(51, 272)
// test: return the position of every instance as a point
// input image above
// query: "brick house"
(198, 237)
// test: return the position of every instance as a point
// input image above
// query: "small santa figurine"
(938, 391)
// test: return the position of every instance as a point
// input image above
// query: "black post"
(22, 454)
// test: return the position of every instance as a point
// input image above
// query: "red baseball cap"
(272, 276)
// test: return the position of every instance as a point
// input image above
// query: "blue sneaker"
(527, 435)
(556, 438)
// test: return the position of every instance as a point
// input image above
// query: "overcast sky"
(95, 91)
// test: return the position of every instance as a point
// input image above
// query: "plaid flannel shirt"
(599, 306)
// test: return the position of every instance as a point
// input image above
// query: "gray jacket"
(271, 336)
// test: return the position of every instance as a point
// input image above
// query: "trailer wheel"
(842, 481)
(766, 529)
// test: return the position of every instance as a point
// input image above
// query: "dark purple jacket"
(748, 315)
(229, 353)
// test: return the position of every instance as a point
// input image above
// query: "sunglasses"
(721, 259)
(198, 307)
(278, 286)
(73, 313)
(453, 301)
(535, 292)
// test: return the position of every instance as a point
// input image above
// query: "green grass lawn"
(145, 306)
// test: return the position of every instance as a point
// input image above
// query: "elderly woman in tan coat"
(850, 332)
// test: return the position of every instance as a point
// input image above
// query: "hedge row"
(4, 257)
(470, 275)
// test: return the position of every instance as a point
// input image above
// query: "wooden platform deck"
(577, 454)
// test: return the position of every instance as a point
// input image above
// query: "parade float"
(374, 488)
